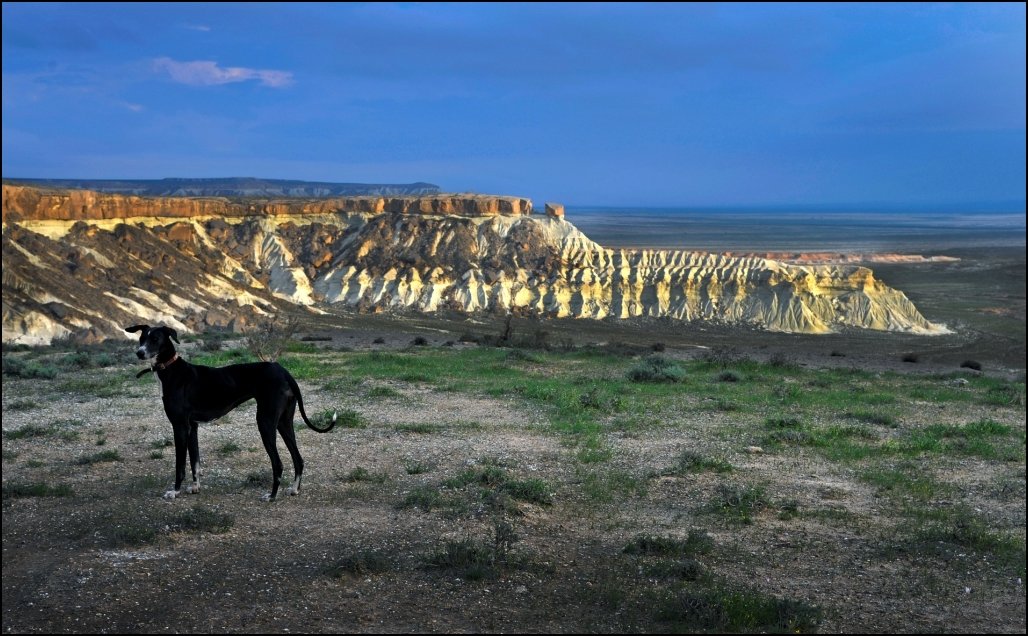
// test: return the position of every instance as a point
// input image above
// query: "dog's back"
(211, 392)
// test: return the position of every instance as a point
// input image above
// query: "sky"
(734, 105)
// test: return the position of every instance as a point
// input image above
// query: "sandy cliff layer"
(223, 263)
(24, 203)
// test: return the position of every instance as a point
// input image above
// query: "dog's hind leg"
(194, 457)
(285, 429)
(266, 423)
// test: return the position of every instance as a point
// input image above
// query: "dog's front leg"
(181, 445)
(194, 457)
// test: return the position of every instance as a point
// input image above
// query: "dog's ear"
(173, 334)
(135, 328)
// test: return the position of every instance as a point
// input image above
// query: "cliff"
(84, 262)
(26, 203)
(232, 187)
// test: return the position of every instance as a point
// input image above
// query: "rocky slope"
(85, 263)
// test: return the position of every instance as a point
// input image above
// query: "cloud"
(208, 73)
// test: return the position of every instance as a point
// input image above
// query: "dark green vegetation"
(590, 488)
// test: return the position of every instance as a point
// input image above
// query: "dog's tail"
(299, 401)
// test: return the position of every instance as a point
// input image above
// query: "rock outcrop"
(83, 262)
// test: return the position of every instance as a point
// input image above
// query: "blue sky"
(642, 105)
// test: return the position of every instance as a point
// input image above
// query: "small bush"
(729, 376)
(656, 369)
(781, 361)
(722, 356)
(912, 358)
(271, 337)
(971, 364)
(739, 503)
(698, 542)
(419, 341)
(379, 340)
(467, 557)
(360, 564)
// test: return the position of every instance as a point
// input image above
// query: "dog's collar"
(160, 366)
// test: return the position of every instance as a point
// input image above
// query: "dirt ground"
(113, 556)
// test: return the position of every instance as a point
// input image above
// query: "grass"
(690, 462)
(725, 608)
(696, 543)
(36, 489)
(110, 455)
(66, 430)
(361, 474)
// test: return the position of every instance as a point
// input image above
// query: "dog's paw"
(292, 491)
(194, 488)
(171, 494)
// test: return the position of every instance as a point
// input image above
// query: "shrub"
(971, 364)
(656, 369)
(360, 564)
(419, 341)
(270, 338)
(911, 357)
(728, 376)
(379, 340)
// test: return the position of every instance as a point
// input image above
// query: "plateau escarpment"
(78, 262)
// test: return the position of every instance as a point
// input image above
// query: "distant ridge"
(232, 187)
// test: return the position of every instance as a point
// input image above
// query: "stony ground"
(450, 505)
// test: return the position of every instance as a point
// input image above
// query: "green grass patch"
(21, 405)
(229, 448)
(110, 455)
(361, 474)
(64, 429)
(35, 489)
(384, 392)
(202, 519)
(721, 609)
(420, 428)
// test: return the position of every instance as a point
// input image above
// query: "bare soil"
(113, 556)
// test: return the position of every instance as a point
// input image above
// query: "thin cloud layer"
(208, 73)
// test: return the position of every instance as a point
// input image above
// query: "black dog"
(194, 394)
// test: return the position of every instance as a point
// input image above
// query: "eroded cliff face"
(195, 263)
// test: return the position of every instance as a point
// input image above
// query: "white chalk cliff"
(211, 262)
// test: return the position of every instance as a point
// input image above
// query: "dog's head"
(154, 340)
